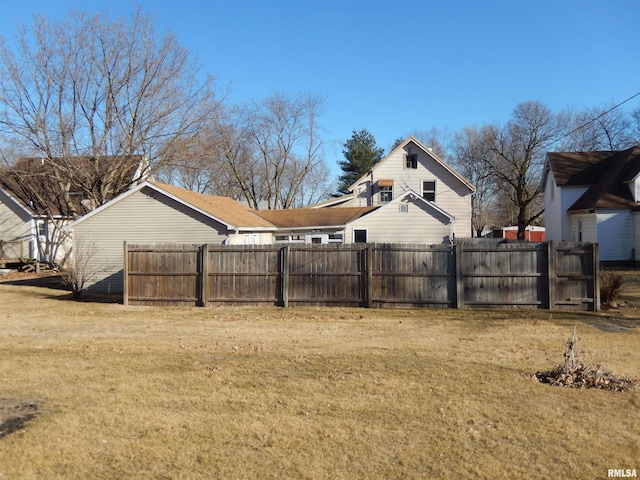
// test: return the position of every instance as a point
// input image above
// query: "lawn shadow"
(55, 282)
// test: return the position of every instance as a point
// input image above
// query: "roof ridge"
(612, 176)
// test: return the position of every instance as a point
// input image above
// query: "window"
(251, 239)
(579, 230)
(41, 229)
(335, 238)
(359, 236)
(429, 190)
(316, 240)
(404, 208)
(386, 194)
(412, 160)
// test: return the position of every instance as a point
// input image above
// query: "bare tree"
(89, 86)
(283, 149)
(472, 153)
(635, 119)
(517, 155)
(594, 129)
(199, 164)
(267, 153)
(434, 138)
(81, 268)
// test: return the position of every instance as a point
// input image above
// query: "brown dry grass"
(140, 392)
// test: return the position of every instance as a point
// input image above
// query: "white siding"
(636, 234)
(452, 195)
(552, 210)
(634, 186)
(568, 196)
(138, 218)
(15, 223)
(250, 238)
(389, 225)
(615, 235)
(585, 223)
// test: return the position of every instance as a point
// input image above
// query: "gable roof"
(427, 151)
(607, 173)
(224, 210)
(238, 216)
(413, 196)
(313, 217)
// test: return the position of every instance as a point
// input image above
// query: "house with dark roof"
(34, 209)
(594, 197)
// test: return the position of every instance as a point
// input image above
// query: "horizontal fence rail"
(469, 274)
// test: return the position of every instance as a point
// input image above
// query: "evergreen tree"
(360, 153)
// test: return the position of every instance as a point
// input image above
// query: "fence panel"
(413, 275)
(327, 275)
(243, 275)
(163, 274)
(505, 275)
(576, 285)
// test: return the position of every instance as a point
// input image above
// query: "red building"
(531, 233)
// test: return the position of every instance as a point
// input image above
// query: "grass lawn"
(314, 393)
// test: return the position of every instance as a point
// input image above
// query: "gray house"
(154, 213)
(412, 167)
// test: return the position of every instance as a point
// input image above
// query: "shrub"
(610, 286)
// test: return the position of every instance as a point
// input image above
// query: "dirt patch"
(15, 413)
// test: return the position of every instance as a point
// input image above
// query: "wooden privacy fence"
(475, 274)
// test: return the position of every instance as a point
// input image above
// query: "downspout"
(229, 237)
(452, 234)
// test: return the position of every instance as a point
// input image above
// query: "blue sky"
(394, 67)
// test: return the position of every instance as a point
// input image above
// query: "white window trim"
(435, 188)
(353, 235)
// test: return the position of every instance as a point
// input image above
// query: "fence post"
(596, 276)
(125, 273)
(458, 250)
(552, 267)
(204, 275)
(369, 276)
(285, 275)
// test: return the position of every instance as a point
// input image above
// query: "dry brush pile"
(574, 374)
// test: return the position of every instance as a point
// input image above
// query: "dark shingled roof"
(31, 181)
(606, 173)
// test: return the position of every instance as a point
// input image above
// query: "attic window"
(404, 208)
(411, 160)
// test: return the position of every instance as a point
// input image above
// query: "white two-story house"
(409, 172)
(595, 197)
